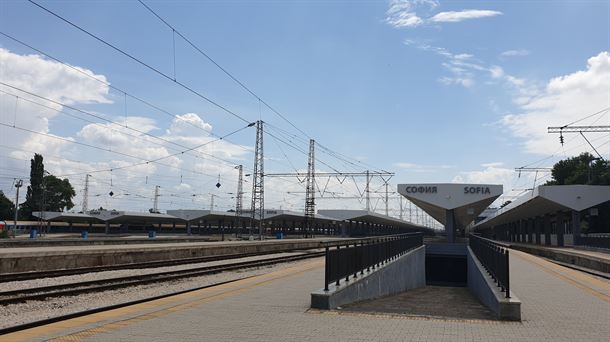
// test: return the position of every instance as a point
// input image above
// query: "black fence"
(593, 241)
(343, 261)
(494, 257)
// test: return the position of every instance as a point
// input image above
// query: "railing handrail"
(353, 257)
(499, 243)
(351, 241)
(494, 258)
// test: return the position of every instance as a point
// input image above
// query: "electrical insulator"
(561, 139)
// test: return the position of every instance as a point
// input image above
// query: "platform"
(25, 259)
(559, 304)
(588, 260)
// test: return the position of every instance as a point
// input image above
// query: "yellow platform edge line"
(578, 279)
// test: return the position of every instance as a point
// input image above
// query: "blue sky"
(437, 91)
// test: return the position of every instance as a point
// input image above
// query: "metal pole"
(326, 269)
(18, 184)
(386, 199)
(367, 191)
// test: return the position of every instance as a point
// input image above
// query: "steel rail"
(10, 277)
(41, 293)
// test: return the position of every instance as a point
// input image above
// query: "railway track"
(70, 289)
(10, 277)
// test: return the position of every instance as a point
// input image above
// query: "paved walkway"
(568, 249)
(559, 304)
(46, 250)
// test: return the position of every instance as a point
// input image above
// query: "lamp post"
(43, 202)
(18, 184)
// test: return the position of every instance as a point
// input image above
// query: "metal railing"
(343, 261)
(593, 241)
(494, 258)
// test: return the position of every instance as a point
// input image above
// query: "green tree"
(46, 192)
(58, 194)
(582, 169)
(7, 208)
(33, 197)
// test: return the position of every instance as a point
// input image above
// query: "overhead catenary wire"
(150, 67)
(225, 71)
(242, 85)
(125, 93)
(124, 53)
(139, 61)
(100, 118)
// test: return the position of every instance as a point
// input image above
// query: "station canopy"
(278, 215)
(465, 201)
(54, 216)
(369, 217)
(195, 215)
(131, 217)
(548, 199)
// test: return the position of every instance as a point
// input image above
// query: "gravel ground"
(26, 284)
(30, 311)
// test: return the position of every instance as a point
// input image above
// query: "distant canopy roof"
(369, 217)
(113, 216)
(54, 216)
(191, 215)
(548, 199)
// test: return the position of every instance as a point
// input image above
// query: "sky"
(435, 91)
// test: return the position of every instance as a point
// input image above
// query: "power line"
(103, 119)
(241, 84)
(126, 93)
(139, 61)
(95, 147)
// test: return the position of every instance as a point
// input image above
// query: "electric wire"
(139, 61)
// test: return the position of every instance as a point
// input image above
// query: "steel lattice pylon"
(238, 197)
(258, 183)
(310, 190)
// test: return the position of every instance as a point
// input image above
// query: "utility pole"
(44, 201)
(86, 194)
(156, 200)
(18, 184)
(258, 185)
(310, 190)
(400, 202)
(368, 192)
(239, 197)
(212, 201)
(384, 175)
(386, 199)
(533, 169)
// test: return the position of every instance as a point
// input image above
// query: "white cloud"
(189, 124)
(408, 13)
(412, 167)
(492, 164)
(565, 99)
(402, 13)
(514, 53)
(493, 173)
(457, 16)
(51, 79)
(133, 186)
